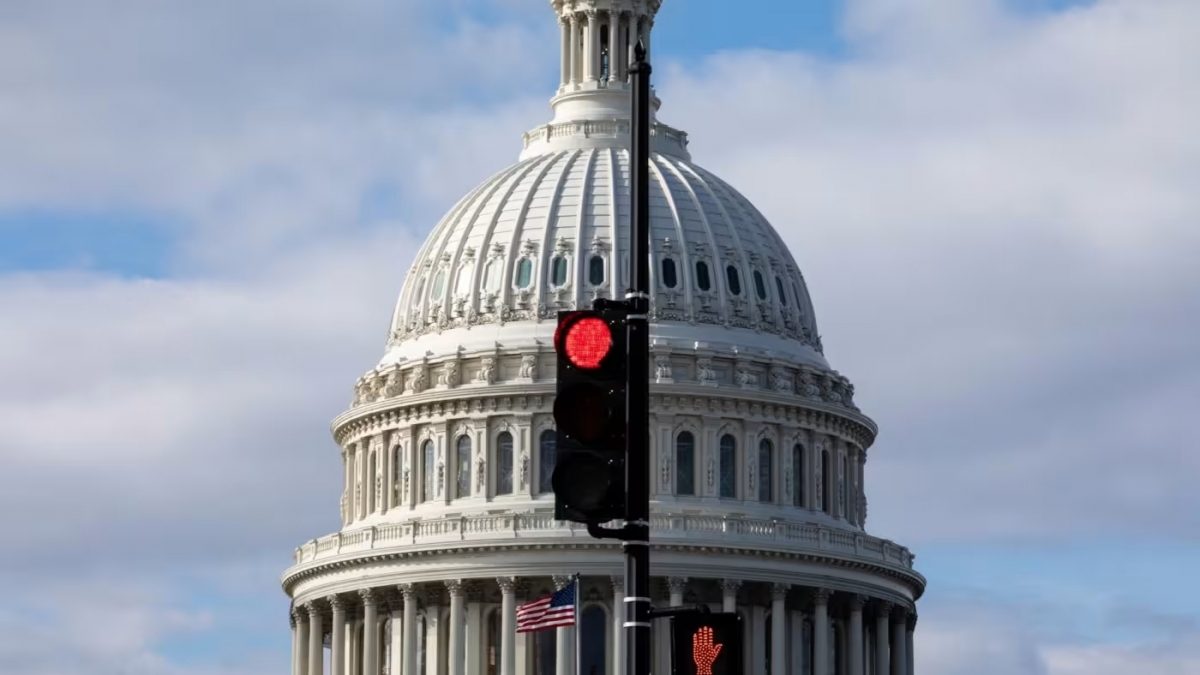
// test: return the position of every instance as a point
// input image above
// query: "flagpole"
(578, 626)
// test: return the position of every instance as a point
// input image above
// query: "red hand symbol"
(704, 652)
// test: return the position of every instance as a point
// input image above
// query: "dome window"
(766, 458)
(558, 271)
(416, 298)
(685, 464)
(439, 285)
(782, 295)
(728, 467)
(735, 281)
(669, 277)
(702, 280)
(760, 286)
(463, 470)
(524, 273)
(595, 270)
(504, 463)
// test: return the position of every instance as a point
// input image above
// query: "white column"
(302, 648)
(337, 637)
(457, 623)
(508, 625)
(614, 52)
(908, 642)
(618, 625)
(729, 591)
(821, 632)
(576, 66)
(856, 635)
(355, 651)
(564, 659)
(589, 47)
(399, 626)
(410, 629)
(899, 641)
(433, 640)
(594, 46)
(566, 52)
(348, 641)
(316, 639)
(294, 620)
(778, 626)
(758, 640)
(881, 638)
(476, 632)
(676, 586)
(796, 642)
(370, 658)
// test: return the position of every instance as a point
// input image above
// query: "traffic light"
(589, 413)
(706, 644)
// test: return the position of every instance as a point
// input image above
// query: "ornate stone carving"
(618, 585)
(524, 470)
(528, 369)
(705, 373)
(820, 596)
(883, 608)
(418, 379)
(711, 474)
(393, 383)
(448, 376)
(487, 371)
(480, 474)
(507, 584)
(455, 587)
(665, 470)
(781, 380)
(730, 585)
(314, 609)
(441, 477)
(779, 591)
(662, 368)
(408, 591)
(337, 603)
(561, 580)
(677, 584)
(808, 386)
(746, 377)
(856, 601)
(368, 595)
(405, 491)
(378, 490)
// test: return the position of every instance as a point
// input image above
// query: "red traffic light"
(586, 341)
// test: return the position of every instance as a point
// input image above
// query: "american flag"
(551, 611)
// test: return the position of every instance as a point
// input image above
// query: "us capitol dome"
(758, 448)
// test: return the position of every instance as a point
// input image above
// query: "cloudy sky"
(207, 208)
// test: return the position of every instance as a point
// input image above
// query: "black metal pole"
(637, 459)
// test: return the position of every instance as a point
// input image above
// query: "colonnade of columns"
(596, 46)
(402, 631)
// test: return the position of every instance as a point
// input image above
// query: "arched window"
(369, 497)
(558, 271)
(782, 295)
(504, 464)
(728, 467)
(669, 278)
(735, 281)
(524, 273)
(826, 485)
(702, 280)
(798, 475)
(428, 472)
(842, 506)
(463, 467)
(545, 652)
(439, 285)
(685, 464)
(760, 286)
(592, 641)
(765, 462)
(595, 270)
(547, 458)
(494, 643)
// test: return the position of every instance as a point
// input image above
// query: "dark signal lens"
(587, 342)
(582, 413)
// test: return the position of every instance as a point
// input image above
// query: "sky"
(207, 210)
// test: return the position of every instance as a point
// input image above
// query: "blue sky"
(206, 211)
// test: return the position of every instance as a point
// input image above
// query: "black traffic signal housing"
(589, 415)
(706, 644)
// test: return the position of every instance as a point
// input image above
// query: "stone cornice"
(671, 532)
(758, 405)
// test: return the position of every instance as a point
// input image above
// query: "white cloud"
(996, 215)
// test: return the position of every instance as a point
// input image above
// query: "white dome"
(538, 237)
